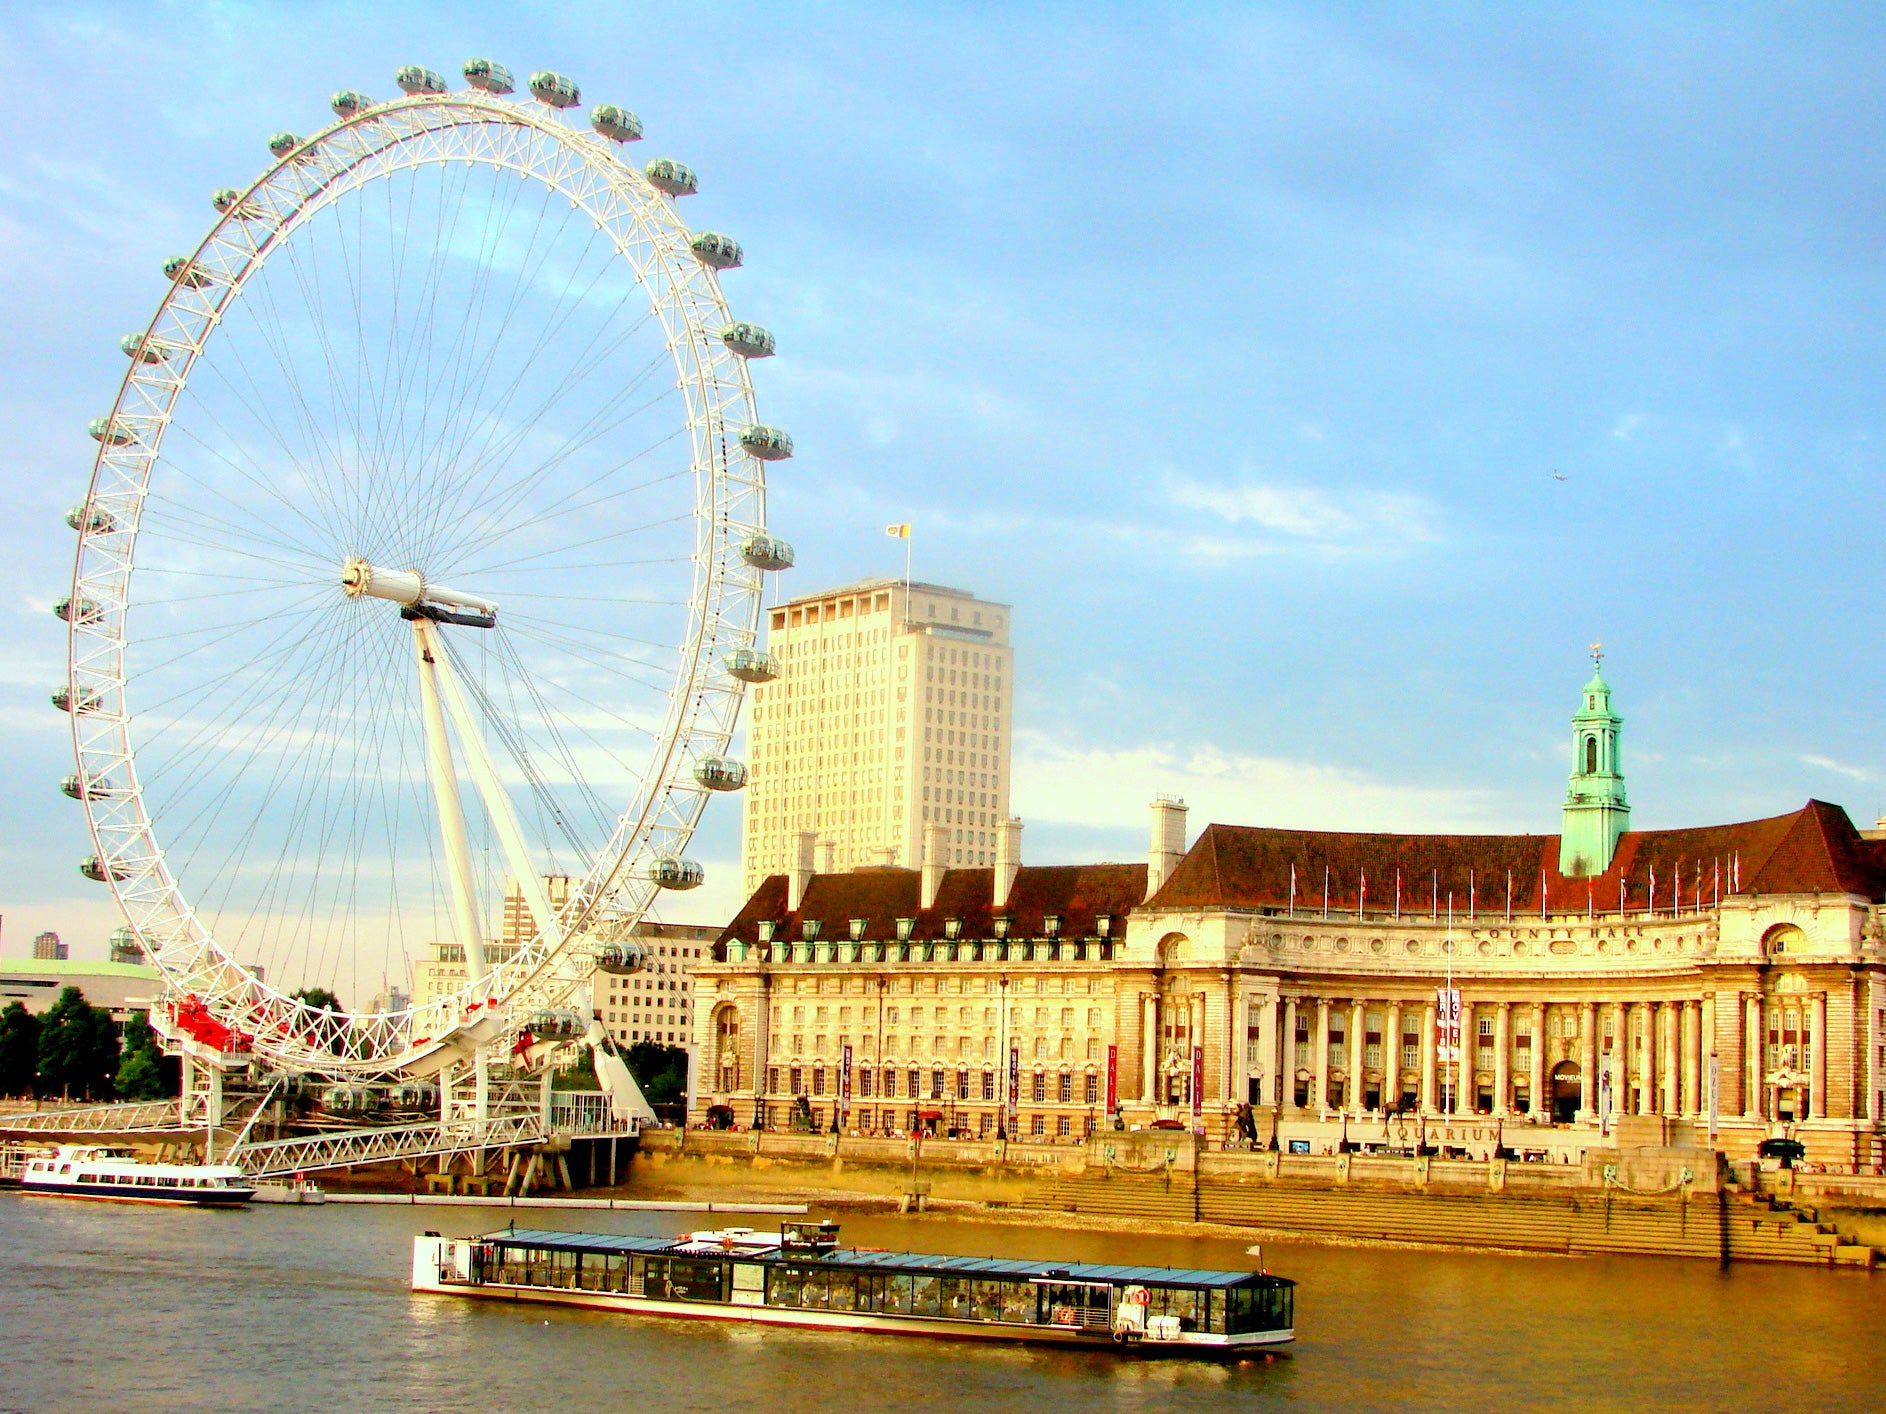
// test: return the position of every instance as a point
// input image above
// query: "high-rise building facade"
(891, 713)
(48, 948)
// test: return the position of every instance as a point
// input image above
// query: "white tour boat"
(117, 1175)
(800, 1276)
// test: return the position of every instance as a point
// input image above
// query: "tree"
(661, 1071)
(78, 1049)
(319, 997)
(144, 1072)
(19, 1050)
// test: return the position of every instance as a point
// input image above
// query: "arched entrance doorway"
(1567, 1091)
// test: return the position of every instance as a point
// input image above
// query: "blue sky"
(1235, 346)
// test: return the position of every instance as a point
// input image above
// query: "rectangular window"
(1067, 1089)
(1041, 1089)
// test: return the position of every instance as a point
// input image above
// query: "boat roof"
(853, 1257)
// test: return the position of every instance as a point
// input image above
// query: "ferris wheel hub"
(416, 598)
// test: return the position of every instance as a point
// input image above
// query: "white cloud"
(1108, 788)
(1839, 768)
(1357, 521)
(1628, 424)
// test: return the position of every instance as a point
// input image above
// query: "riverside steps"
(1643, 1199)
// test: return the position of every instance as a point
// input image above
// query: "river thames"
(119, 1308)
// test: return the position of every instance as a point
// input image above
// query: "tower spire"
(1596, 810)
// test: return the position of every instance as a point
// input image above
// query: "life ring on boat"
(1135, 1296)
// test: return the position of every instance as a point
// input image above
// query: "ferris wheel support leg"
(492, 792)
(458, 864)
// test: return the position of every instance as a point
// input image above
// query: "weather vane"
(1597, 655)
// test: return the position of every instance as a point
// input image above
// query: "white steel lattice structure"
(449, 338)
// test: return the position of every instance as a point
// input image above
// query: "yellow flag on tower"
(901, 532)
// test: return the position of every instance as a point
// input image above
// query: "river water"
(152, 1310)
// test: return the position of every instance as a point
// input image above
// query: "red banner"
(1113, 1078)
(1198, 1081)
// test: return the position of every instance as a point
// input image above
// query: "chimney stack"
(1008, 858)
(933, 864)
(885, 856)
(803, 842)
(828, 856)
(1168, 846)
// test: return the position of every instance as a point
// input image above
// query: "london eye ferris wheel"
(423, 553)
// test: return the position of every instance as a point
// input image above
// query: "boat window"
(926, 1296)
(1076, 1305)
(682, 1278)
(65, 1168)
(1265, 1307)
(88, 1178)
(1185, 1302)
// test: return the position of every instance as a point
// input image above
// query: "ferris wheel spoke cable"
(500, 503)
(520, 675)
(531, 563)
(550, 817)
(498, 409)
(623, 668)
(490, 460)
(557, 510)
(169, 519)
(495, 503)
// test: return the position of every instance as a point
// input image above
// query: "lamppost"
(1001, 1059)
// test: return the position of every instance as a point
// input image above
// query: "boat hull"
(1190, 1344)
(137, 1193)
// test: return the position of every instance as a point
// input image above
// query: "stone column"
(1391, 1057)
(1265, 1013)
(1818, 1108)
(1148, 1048)
(1587, 1062)
(1464, 1067)
(1541, 1102)
(1428, 1096)
(1692, 1069)
(1623, 1096)
(1358, 1050)
(1502, 1058)
(1319, 1071)
(1237, 1044)
(1672, 1058)
(1705, 1048)
(1754, 1058)
(1287, 1066)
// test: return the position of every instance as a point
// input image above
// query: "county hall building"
(1268, 982)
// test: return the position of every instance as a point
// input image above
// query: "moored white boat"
(295, 1190)
(800, 1276)
(117, 1175)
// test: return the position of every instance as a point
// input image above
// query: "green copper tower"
(1596, 812)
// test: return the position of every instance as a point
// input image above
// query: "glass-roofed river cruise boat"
(800, 1276)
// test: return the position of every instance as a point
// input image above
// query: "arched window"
(1591, 756)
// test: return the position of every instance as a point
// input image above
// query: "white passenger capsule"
(767, 552)
(229, 201)
(751, 665)
(554, 89)
(283, 143)
(666, 174)
(712, 248)
(415, 79)
(749, 340)
(98, 871)
(349, 104)
(489, 77)
(720, 773)
(79, 788)
(142, 348)
(110, 431)
(94, 520)
(75, 611)
(769, 444)
(615, 123)
(180, 270)
(673, 872)
(621, 957)
(63, 699)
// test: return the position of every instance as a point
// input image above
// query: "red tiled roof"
(1812, 850)
(1075, 893)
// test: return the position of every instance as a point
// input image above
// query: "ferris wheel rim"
(724, 603)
